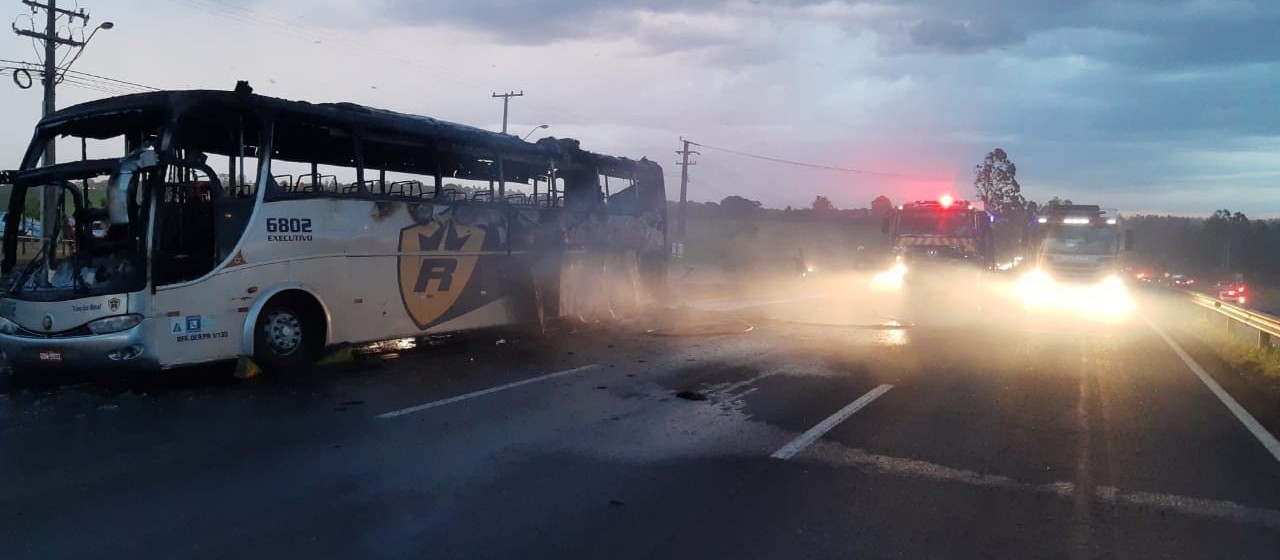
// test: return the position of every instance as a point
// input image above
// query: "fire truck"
(943, 231)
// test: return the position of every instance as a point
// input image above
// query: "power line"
(105, 87)
(126, 86)
(113, 80)
(820, 166)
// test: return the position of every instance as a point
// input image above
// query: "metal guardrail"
(1266, 326)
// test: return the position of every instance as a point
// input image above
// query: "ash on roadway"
(828, 430)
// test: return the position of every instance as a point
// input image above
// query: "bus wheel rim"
(284, 332)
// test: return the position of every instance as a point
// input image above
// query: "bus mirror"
(118, 191)
(1128, 240)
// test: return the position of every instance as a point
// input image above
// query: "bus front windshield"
(1081, 240)
(93, 240)
(936, 223)
(93, 249)
(199, 180)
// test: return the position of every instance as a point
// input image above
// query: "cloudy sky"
(1167, 106)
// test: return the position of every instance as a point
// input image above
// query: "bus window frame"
(275, 192)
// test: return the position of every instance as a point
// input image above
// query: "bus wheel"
(289, 334)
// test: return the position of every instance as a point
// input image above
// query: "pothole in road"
(691, 395)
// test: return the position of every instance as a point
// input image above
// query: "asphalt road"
(827, 431)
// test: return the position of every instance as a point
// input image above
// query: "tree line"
(1221, 245)
(735, 207)
(1224, 244)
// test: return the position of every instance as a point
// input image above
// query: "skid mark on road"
(1250, 423)
(838, 455)
(709, 353)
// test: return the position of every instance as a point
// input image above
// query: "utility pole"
(684, 164)
(506, 100)
(51, 41)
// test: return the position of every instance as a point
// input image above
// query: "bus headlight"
(1036, 288)
(1110, 298)
(7, 326)
(118, 323)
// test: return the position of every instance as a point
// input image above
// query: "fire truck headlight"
(890, 279)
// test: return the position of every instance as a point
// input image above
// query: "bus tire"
(289, 333)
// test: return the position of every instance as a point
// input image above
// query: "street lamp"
(103, 25)
(535, 129)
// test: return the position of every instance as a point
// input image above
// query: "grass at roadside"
(1246, 358)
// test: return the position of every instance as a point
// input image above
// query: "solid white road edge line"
(1263, 436)
(804, 440)
(483, 392)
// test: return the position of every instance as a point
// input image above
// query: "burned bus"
(215, 225)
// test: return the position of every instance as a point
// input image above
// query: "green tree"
(823, 205)
(881, 206)
(996, 183)
(738, 207)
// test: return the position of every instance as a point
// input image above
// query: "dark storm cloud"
(1206, 42)
(1096, 94)
(526, 21)
(963, 36)
(1169, 33)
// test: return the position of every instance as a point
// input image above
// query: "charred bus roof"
(441, 139)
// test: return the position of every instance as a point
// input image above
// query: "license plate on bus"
(51, 356)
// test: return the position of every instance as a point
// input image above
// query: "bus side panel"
(388, 269)
(197, 322)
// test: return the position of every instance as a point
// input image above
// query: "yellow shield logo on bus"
(432, 273)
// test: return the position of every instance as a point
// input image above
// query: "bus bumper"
(124, 350)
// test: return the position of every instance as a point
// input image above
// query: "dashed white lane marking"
(797, 445)
(481, 393)
(1263, 436)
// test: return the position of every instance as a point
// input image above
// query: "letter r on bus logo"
(440, 270)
